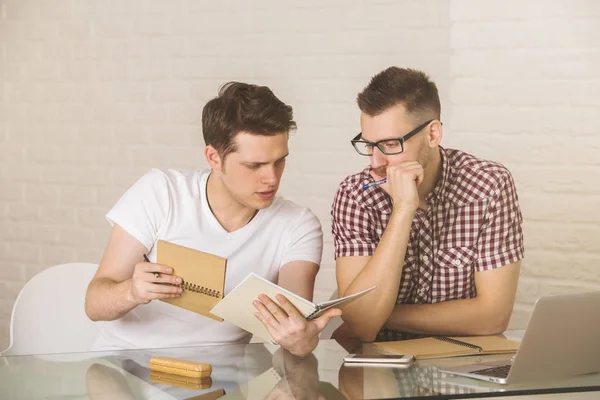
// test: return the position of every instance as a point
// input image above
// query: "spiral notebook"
(237, 306)
(442, 346)
(202, 275)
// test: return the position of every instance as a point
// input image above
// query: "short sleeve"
(143, 208)
(501, 236)
(351, 226)
(306, 240)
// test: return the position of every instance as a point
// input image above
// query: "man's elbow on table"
(494, 321)
(495, 324)
(361, 329)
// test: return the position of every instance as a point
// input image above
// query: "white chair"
(48, 315)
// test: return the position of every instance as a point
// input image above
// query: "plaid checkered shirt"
(472, 223)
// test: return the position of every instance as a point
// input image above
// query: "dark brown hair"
(409, 87)
(243, 107)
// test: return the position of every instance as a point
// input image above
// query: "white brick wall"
(525, 78)
(92, 94)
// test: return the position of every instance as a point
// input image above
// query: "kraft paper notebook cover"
(441, 346)
(237, 306)
(202, 275)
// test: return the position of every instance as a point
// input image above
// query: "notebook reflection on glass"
(561, 340)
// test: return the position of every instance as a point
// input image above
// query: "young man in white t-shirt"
(231, 211)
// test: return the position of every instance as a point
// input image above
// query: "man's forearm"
(107, 300)
(456, 317)
(383, 270)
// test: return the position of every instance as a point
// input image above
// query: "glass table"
(252, 371)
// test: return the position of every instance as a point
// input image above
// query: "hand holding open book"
(238, 309)
(203, 282)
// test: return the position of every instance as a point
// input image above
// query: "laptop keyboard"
(497, 372)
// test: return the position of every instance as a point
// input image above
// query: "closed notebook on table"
(238, 309)
(202, 275)
(441, 346)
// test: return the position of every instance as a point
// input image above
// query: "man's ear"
(434, 134)
(213, 158)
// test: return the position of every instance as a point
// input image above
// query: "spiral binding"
(276, 374)
(192, 287)
(458, 342)
(312, 314)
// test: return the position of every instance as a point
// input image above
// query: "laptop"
(562, 339)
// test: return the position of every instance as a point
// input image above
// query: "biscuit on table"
(176, 366)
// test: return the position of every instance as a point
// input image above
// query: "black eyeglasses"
(386, 146)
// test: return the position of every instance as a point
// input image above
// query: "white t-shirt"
(172, 206)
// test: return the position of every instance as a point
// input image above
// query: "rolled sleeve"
(351, 226)
(501, 237)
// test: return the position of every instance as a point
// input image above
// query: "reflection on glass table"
(424, 379)
(249, 372)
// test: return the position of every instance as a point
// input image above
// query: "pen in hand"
(156, 274)
(368, 185)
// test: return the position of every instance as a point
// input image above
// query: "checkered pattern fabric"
(473, 223)
(427, 380)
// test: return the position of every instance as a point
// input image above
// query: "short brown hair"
(243, 107)
(409, 87)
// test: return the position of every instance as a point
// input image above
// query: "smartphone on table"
(379, 360)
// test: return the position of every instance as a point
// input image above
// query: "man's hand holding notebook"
(202, 274)
(203, 283)
(237, 307)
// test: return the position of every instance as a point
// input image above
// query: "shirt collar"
(439, 191)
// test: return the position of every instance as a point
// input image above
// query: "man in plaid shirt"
(441, 238)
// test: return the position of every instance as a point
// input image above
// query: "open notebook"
(202, 274)
(237, 306)
(441, 346)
